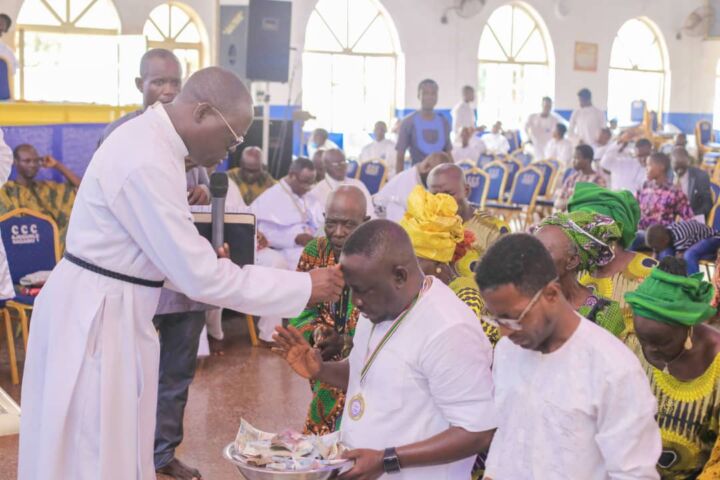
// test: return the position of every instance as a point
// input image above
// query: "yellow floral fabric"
(250, 191)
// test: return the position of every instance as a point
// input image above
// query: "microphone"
(218, 191)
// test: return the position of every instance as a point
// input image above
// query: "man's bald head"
(212, 114)
(156, 54)
(345, 210)
(381, 269)
(450, 179)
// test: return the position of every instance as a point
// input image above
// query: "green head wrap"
(672, 299)
(620, 206)
(591, 233)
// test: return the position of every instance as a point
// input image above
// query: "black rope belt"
(109, 273)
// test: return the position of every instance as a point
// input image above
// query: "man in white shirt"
(463, 114)
(320, 140)
(559, 147)
(587, 121)
(286, 212)
(495, 142)
(391, 201)
(419, 393)
(381, 148)
(91, 370)
(627, 170)
(540, 128)
(335, 175)
(468, 147)
(573, 401)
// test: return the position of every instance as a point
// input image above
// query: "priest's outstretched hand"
(327, 284)
(290, 344)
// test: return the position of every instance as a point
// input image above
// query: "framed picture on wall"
(586, 56)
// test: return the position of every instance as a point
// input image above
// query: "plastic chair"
(522, 197)
(479, 183)
(353, 169)
(32, 244)
(513, 167)
(485, 159)
(524, 158)
(498, 176)
(466, 165)
(637, 111)
(513, 137)
(548, 170)
(373, 174)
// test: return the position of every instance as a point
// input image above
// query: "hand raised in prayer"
(291, 345)
(49, 161)
(197, 195)
(330, 343)
(303, 239)
(327, 284)
(368, 464)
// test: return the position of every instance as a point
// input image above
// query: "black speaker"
(233, 38)
(268, 40)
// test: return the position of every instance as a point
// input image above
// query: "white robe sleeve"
(163, 229)
(6, 159)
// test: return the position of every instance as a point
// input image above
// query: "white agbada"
(6, 160)
(585, 411)
(383, 150)
(626, 172)
(91, 373)
(432, 374)
(540, 131)
(392, 198)
(585, 124)
(463, 116)
(282, 216)
(561, 150)
(322, 190)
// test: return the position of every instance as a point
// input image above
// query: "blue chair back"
(484, 160)
(353, 168)
(548, 170)
(373, 174)
(524, 158)
(526, 187)
(31, 240)
(703, 131)
(4, 80)
(479, 183)
(513, 137)
(466, 165)
(498, 175)
(637, 111)
(512, 168)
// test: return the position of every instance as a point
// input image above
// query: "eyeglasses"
(239, 139)
(515, 324)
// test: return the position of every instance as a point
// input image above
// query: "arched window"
(350, 65)
(68, 51)
(514, 66)
(175, 27)
(637, 69)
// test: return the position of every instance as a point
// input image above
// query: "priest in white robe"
(335, 175)
(91, 372)
(381, 148)
(391, 201)
(288, 215)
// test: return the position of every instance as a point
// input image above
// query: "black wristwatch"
(391, 462)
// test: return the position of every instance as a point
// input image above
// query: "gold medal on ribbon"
(357, 407)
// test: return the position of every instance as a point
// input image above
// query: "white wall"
(447, 53)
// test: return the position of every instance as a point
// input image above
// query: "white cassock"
(282, 216)
(540, 131)
(432, 374)
(7, 290)
(585, 125)
(584, 411)
(391, 201)
(383, 150)
(91, 373)
(626, 172)
(560, 150)
(463, 116)
(496, 143)
(322, 190)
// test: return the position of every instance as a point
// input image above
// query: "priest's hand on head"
(291, 345)
(368, 465)
(327, 284)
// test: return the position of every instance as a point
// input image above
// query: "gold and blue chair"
(373, 174)
(479, 183)
(353, 169)
(520, 206)
(498, 176)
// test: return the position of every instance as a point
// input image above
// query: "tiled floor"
(247, 382)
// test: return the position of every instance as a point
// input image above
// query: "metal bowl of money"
(251, 472)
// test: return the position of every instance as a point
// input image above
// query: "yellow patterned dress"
(250, 191)
(49, 198)
(688, 420)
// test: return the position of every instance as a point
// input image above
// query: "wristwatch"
(391, 462)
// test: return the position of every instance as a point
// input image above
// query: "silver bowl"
(259, 473)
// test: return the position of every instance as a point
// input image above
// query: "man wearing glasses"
(53, 199)
(90, 384)
(336, 166)
(572, 400)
